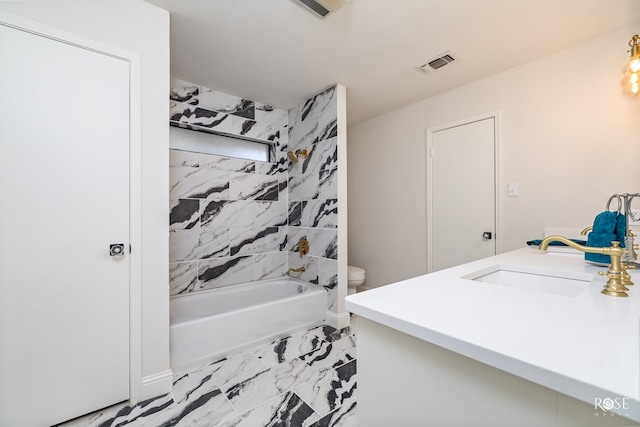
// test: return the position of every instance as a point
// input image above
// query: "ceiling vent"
(438, 62)
(322, 8)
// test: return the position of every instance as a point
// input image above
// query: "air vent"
(437, 62)
(322, 8)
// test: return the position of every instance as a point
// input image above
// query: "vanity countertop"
(585, 345)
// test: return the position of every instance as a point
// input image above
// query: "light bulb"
(630, 83)
(632, 64)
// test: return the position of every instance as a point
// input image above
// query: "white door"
(64, 186)
(462, 220)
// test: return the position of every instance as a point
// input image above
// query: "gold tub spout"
(296, 270)
(614, 286)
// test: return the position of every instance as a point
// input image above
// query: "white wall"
(567, 134)
(138, 27)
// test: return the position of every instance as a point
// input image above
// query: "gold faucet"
(627, 264)
(296, 270)
(303, 246)
(614, 286)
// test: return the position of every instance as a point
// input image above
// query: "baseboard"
(156, 385)
(338, 320)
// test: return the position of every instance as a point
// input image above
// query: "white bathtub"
(208, 325)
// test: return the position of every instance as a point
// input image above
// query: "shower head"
(294, 157)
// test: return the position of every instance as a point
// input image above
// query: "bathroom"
(247, 222)
(566, 103)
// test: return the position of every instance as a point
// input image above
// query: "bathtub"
(209, 325)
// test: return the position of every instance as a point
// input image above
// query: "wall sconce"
(631, 79)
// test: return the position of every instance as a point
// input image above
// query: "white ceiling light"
(322, 8)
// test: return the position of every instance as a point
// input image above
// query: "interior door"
(64, 183)
(463, 200)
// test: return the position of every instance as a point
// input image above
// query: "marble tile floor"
(307, 379)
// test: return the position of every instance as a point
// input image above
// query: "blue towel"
(605, 222)
(600, 240)
(555, 243)
(621, 229)
(607, 227)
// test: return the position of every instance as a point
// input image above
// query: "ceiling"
(276, 52)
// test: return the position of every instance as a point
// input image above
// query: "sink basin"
(564, 283)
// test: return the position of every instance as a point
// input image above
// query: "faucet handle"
(626, 277)
(303, 246)
(614, 286)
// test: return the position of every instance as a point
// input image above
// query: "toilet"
(356, 278)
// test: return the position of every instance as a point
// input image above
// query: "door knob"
(116, 249)
(486, 235)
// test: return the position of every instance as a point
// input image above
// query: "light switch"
(512, 189)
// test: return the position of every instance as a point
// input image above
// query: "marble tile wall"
(313, 191)
(198, 106)
(235, 221)
(228, 221)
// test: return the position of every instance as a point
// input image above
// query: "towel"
(607, 227)
(537, 243)
(621, 229)
(605, 222)
(599, 240)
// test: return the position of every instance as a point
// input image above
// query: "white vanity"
(522, 338)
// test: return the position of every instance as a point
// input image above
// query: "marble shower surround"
(228, 221)
(236, 221)
(313, 191)
(193, 105)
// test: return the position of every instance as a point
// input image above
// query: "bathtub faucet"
(296, 270)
